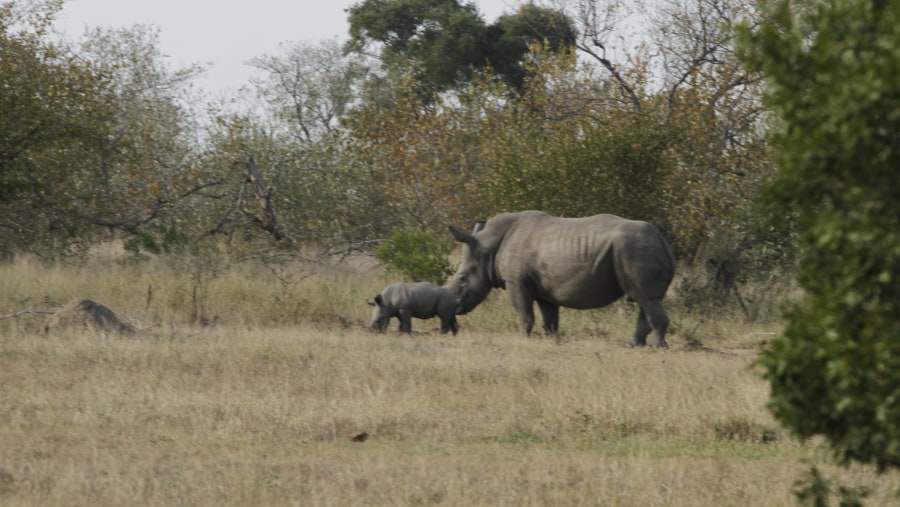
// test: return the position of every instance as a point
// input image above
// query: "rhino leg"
(523, 302)
(642, 330)
(449, 324)
(550, 313)
(405, 317)
(659, 321)
(652, 318)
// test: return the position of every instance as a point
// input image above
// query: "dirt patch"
(85, 313)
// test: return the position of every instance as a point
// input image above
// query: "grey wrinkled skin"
(571, 262)
(421, 300)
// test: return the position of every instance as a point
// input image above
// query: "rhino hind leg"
(450, 324)
(642, 330)
(550, 313)
(651, 318)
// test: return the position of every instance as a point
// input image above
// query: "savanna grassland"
(265, 404)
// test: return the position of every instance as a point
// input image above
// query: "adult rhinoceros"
(572, 262)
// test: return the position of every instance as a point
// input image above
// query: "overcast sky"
(227, 33)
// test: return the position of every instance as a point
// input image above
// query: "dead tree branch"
(29, 311)
(269, 221)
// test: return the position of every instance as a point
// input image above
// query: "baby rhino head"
(380, 315)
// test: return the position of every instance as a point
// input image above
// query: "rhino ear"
(479, 225)
(370, 302)
(464, 237)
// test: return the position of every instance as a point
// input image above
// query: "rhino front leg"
(523, 302)
(405, 317)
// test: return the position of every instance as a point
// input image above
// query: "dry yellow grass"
(249, 414)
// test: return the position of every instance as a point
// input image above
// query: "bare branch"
(270, 221)
(597, 23)
(29, 311)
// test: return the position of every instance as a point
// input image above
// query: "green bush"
(831, 71)
(416, 254)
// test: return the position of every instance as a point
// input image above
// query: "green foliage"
(581, 169)
(570, 157)
(443, 41)
(48, 100)
(832, 75)
(417, 254)
(53, 117)
(511, 37)
(420, 157)
(92, 136)
(442, 37)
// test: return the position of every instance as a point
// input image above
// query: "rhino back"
(582, 262)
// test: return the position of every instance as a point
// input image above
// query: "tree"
(513, 36)
(96, 136)
(597, 23)
(831, 71)
(308, 87)
(54, 113)
(441, 42)
(420, 156)
(564, 148)
(145, 167)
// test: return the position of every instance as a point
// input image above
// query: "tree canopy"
(444, 41)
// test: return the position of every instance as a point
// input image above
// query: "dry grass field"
(287, 400)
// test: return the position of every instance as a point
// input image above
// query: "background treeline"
(427, 116)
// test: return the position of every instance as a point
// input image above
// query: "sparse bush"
(161, 239)
(816, 490)
(745, 431)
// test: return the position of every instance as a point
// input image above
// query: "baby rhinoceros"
(421, 300)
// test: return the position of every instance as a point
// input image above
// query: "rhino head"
(472, 282)
(380, 315)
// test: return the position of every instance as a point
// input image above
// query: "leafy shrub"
(831, 73)
(416, 254)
